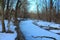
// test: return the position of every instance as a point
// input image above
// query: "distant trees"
(51, 8)
(37, 7)
(58, 6)
(24, 6)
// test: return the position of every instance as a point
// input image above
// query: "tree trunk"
(37, 9)
(3, 25)
(19, 33)
(50, 15)
(7, 10)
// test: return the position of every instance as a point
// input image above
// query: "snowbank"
(8, 36)
(30, 31)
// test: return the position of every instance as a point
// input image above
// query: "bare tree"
(19, 33)
(24, 7)
(50, 15)
(3, 25)
(37, 5)
(54, 13)
(9, 8)
(58, 5)
(46, 10)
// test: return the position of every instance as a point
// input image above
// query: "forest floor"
(33, 30)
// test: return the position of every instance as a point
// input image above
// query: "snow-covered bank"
(12, 27)
(8, 36)
(44, 23)
(52, 27)
(29, 30)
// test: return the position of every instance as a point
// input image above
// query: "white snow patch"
(8, 36)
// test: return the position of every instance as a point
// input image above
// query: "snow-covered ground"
(45, 23)
(31, 31)
(49, 24)
(8, 36)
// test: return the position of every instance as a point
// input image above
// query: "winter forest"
(29, 19)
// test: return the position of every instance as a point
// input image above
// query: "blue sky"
(33, 6)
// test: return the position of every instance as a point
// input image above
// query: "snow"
(29, 30)
(51, 24)
(12, 27)
(56, 31)
(8, 36)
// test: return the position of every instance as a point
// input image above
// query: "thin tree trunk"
(50, 15)
(9, 18)
(46, 10)
(37, 9)
(7, 10)
(3, 25)
(58, 6)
